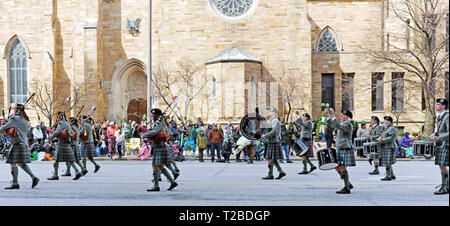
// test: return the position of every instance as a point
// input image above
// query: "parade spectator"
(201, 144)
(227, 149)
(363, 131)
(285, 142)
(208, 142)
(406, 141)
(215, 136)
(329, 136)
(37, 134)
(228, 130)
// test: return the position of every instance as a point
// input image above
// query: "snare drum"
(371, 148)
(327, 158)
(299, 147)
(423, 148)
(359, 142)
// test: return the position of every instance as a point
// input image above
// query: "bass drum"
(253, 126)
(327, 158)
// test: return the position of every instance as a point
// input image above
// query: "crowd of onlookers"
(192, 138)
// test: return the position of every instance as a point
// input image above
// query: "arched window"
(327, 42)
(214, 86)
(18, 73)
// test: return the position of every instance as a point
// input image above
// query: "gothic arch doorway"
(136, 110)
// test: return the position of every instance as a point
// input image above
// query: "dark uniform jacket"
(21, 126)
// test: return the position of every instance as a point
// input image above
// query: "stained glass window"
(327, 43)
(232, 8)
(18, 73)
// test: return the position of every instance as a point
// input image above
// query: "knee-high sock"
(305, 164)
(167, 174)
(388, 171)
(346, 179)
(27, 169)
(446, 172)
(81, 165)
(376, 164)
(309, 162)
(175, 165)
(278, 166)
(75, 167)
(270, 165)
(156, 175)
(68, 167)
(444, 178)
(92, 160)
(15, 175)
(170, 167)
(56, 166)
(84, 162)
(341, 175)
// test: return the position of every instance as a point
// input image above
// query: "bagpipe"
(165, 134)
(12, 132)
(85, 135)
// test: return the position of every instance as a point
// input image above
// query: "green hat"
(363, 122)
(356, 122)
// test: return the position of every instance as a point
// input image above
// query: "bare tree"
(164, 80)
(290, 80)
(421, 50)
(47, 103)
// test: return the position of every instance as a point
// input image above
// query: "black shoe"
(281, 176)
(66, 174)
(375, 172)
(77, 176)
(304, 172)
(175, 176)
(442, 191)
(386, 178)
(172, 186)
(53, 178)
(370, 161)
(13, 186)
(289, 161)
(350, 186)
(393, 177)
(212, 160)
(85, 172)
(178, 170)
(35, 182)
(153, 189)
(268, 178)
(344, 191)
(97, 167)
(312, 169)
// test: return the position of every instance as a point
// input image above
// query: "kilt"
(159, 156)
(388, 156)
(87, 150)
(76, 152)
(65, 153)
(19, 154)
(441, 156)
(346, 157)
(274, 151)
(310, 144)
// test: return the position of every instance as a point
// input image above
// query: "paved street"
(234, 184)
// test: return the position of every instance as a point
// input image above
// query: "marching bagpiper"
(345, 153)
(274, 152)
(304, 123)
(375, 133)
(75, 147)
(19, 154)
(441, 138)
(388, 140)
(159, 152)
(87, 143)
(65, 152)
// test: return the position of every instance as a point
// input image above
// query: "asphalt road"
(121, 183)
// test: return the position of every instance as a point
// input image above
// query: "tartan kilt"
(310, 152)
(159, 156)
(274, 151)
(76, 152)
(441, 156)
(19, 154)
(375, 156)
(88, 150)
(388, 156)
(65, 153)
(346, 157)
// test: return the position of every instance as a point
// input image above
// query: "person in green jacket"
(201, 143)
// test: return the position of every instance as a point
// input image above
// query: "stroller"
(177, 153)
